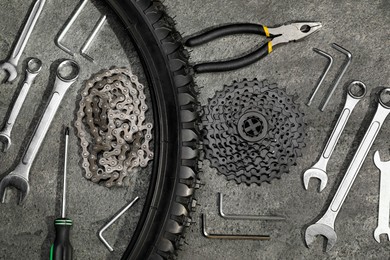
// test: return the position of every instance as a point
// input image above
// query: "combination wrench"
(384, 198)
(325, 226)
(18, 178)
(318, 170)
(11, 65)
(34, 66)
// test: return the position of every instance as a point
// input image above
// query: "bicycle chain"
(253, 132)
(111, 126)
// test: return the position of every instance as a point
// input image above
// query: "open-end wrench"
(325, 226)
(18, 178)
(318, 170)
(11, 65)
(34, 65)
(384, 198)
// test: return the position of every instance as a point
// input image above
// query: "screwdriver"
(61, 248)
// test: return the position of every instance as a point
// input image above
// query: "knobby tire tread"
(170, 200)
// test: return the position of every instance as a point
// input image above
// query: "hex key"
(230, 236)
(330, 62)
(246, 217)
(91, 37)
(58, 41)
(340, 76)
(120, 213)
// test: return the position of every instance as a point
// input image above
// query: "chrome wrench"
(34, 65)
(325, 226)
(20, 175)
(11, 65)
(318, 170)
(384, 198)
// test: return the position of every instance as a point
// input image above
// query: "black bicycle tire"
(170, 201)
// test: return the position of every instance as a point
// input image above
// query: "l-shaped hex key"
(120, 213)
(246, 217)
(230, 236)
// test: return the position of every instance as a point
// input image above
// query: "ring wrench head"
(10, 69)
(34, 66)
(68, 71)
(384, 98)
(357, 89)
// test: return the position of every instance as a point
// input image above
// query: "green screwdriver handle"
(62, 249)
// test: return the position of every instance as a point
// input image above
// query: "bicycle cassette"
(112, 127)
(253, 132)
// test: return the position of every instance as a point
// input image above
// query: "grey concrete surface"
(360, 26)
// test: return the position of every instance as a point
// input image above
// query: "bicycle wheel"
(170, 201)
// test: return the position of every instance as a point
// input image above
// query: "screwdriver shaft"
(63, 212)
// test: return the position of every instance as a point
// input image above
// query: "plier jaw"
(293, 31)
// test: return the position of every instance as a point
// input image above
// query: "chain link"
(112, 127)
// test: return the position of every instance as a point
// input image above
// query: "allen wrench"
(340, 76)
(58, 41)
(91, 37)
(330, 58)
(230, 236)
(246, 217)
(120, 213)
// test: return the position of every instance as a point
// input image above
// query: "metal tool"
(245, 217)
(91, 37)
(62, 248)
(67, 73)
(231, 236)
(325, 226)
(63, 211)
(58, 41)
(254, 132)
(11, 65)
(384, 198)
(277, 35)
(340, 76)
(120, 213)
(330, 58)
(34, 66)
(318, 170)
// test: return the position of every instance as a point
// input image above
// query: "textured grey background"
(360, 26)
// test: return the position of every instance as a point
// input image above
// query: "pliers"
(282, 34)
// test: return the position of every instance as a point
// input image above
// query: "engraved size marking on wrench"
(11, 65)
(18, 178)
(318, 170)
(325, 226)
(34, 65)
(384, 198)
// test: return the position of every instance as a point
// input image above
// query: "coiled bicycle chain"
(253, 132)
(111, 126)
